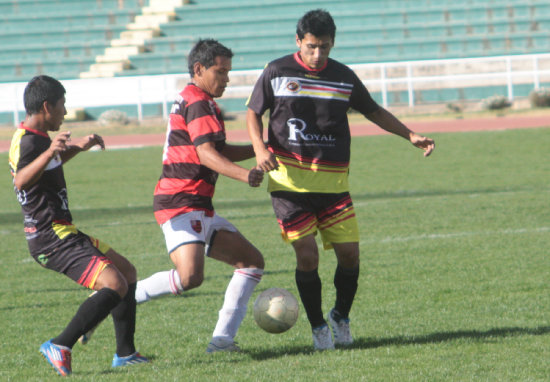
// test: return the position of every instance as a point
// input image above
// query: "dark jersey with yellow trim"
(308, 126)
(185, 184)
(47, 219)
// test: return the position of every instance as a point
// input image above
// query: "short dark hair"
(318, 22)
(39, 89)
(205, 52)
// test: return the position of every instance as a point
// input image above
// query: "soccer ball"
(276, 310)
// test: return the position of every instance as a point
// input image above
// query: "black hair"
(318, 22)
(39, 89)
(205, 52)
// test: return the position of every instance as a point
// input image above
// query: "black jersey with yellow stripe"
(47, 219)
(308, 126)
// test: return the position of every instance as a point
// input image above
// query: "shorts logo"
(196, 225)
(29, 228)
(42, 259)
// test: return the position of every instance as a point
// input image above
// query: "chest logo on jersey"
(297, 131)
(293, 86)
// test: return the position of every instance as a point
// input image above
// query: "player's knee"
(191, 281)
(347, 255)
(112, 279)
(307, 256)
(256, 260)
(307, 263)
(120, 285)
(349, 262)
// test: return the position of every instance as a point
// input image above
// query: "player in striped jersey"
(307, 157)
(195, 153)
(36, 164)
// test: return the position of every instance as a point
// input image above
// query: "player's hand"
(59, 143)
(255, 177)
(266, 161)
(424, 143)
(90, 141)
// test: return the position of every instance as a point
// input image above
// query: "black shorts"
(304, 213)
(80, 257)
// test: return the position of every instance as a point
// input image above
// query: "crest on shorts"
(196, 225)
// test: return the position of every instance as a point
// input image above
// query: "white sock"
(158, 284)
(235, 303)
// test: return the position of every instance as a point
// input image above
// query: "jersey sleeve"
(361, 99)
(29, 148)
(262, 96)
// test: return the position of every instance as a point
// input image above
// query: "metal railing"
(411, 76)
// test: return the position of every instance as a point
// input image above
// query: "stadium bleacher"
(66, 38)
(58, 37)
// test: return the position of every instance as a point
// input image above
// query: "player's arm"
(214, 160)
(84, 144)
(29, 175)
(264, 158)
(237, 153)
(390, 123)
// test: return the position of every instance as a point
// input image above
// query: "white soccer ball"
(276, 310)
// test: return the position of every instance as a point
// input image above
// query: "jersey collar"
(22, 126)
(301, 63)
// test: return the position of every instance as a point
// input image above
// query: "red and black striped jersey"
(308, 125)
(45, 206)
(186, 185)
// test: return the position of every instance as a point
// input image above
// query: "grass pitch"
(454, 279)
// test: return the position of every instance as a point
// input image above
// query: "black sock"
(124, 318)
(309, 287)
(91, 312)
(345, 281)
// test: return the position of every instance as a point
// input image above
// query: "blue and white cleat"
(340, 329)
(58, 356)
(322, 339)
(131, 359)
(219, 344)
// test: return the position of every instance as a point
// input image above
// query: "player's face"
(214, 79)
(55, 114)
(314, 50)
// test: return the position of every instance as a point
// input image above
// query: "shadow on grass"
(434, 338)
(117, 212)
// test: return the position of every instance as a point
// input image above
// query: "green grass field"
(454, 277)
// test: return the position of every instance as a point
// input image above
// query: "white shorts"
(193, 227)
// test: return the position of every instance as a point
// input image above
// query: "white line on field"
(418, 197)
(435, 236)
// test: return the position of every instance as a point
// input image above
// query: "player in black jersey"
(36, 164)
(307, 157)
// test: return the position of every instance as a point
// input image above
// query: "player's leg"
(189, 262)
(86, 266)
(345, 281)
(296, 214)
(345, 277)
(182, 230)
(231, 247)
(307, 278)
(298, 225)
(309, 287)
(339, 230)
(124, 314)
(124, 309)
